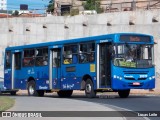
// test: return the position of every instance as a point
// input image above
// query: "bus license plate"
(136, 83)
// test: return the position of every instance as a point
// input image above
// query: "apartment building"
(3, 4)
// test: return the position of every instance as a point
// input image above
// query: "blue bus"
(112, 62)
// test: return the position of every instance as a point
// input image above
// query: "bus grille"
(130, 78)
(135, 72)
(135, 79)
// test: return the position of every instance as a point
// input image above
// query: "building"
(4, 13)
(62, 6)
(3, 4)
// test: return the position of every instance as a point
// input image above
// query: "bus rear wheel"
(89, 89)
(32, 89)
(123, 93)
(65, 93)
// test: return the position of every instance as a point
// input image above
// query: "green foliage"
(74, 12)
(89, 5)
(50, 7)
(51, 1)
(93, 5)
(16, 13)
(6, 103)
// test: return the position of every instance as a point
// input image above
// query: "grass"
(6, 103)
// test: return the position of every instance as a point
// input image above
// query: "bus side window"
(29, 57)
(41, 56)
(70, 54)
(8, 60)
(83, 53)
(91, 52)
(87, 52)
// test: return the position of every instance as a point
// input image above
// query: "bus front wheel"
(123, 93)
(32, 89)
(89, 89)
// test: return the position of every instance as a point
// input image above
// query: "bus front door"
(104, 65)
(55, 72)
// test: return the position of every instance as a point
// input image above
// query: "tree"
(50, 7)
(93, 5)
(15, 13)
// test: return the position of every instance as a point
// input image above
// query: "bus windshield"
(133, 55)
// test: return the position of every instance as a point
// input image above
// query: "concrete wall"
(13, 30)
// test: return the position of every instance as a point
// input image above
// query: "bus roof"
(75, 40)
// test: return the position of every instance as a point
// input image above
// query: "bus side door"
(18, 83)
(7, 70)
(105, 65)
(54, 69)
(12, 74)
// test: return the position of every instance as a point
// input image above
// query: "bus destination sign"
(134, 38)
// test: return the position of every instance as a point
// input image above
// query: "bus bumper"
(127, 84)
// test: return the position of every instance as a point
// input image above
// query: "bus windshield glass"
(133, 55)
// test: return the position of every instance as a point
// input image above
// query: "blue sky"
(32, 4)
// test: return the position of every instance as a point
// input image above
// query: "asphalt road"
(149, 103)
(79, 103)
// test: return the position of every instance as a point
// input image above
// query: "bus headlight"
(118, 77)
(152, 77)
(114, 76)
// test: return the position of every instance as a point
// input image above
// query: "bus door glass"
(12, 70)
(55, 72)
(7, 68)
(105, 65)
(17, 70)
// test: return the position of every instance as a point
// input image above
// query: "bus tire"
(32, 88)
(13, 93)
(65, 93)
(89, 89)
(123, 93)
